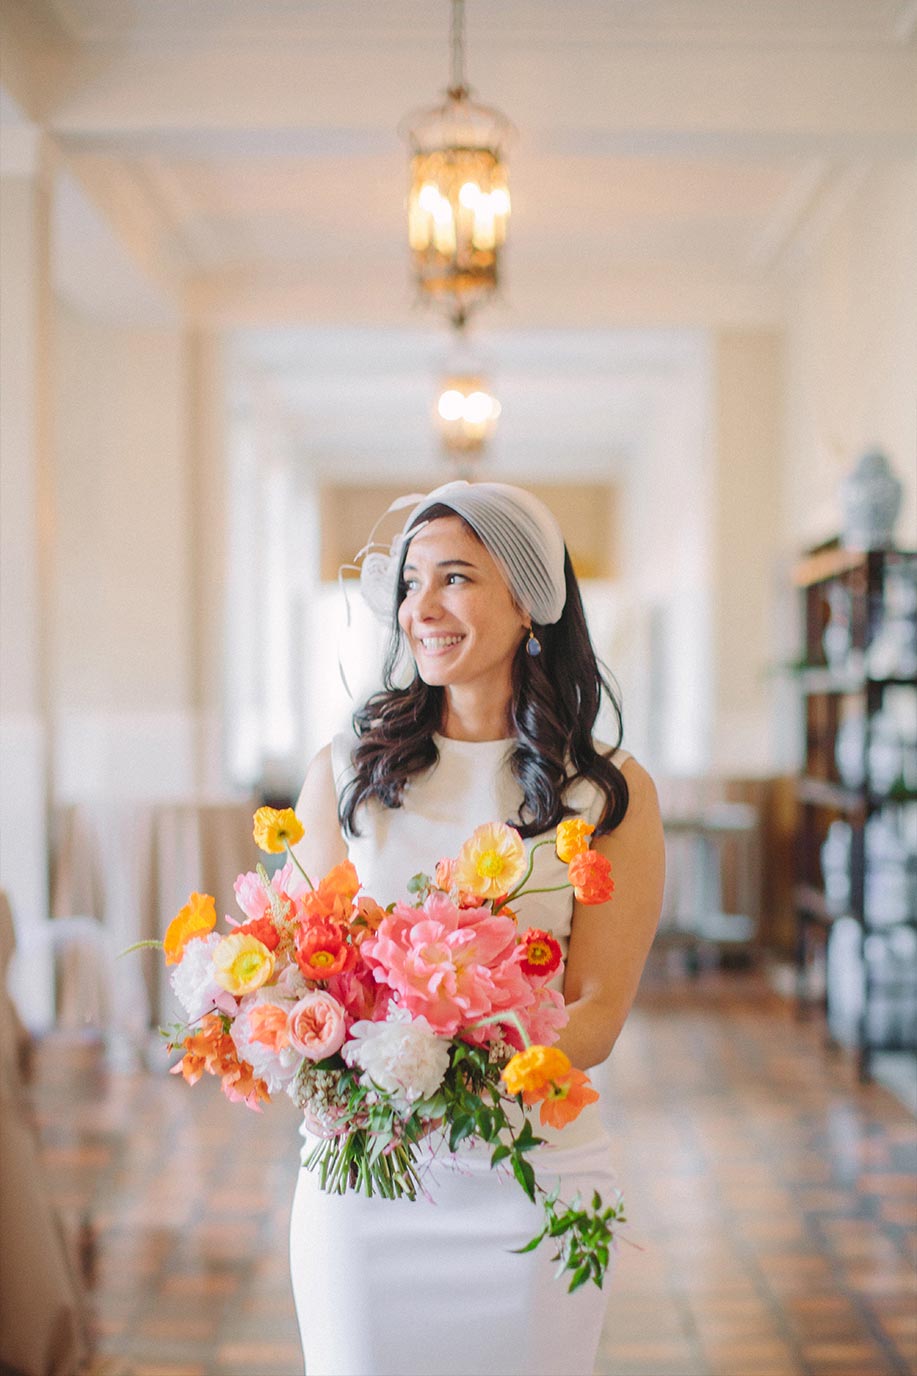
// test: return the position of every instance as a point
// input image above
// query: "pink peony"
(447, 964)
(317, 1025)
(542, 1019)
(251, 895)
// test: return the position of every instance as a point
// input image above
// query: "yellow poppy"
(572, 838)
(491, 863)
(242, 964)
(198, 916)
(275, 830)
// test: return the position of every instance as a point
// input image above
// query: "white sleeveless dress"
(431, 1287)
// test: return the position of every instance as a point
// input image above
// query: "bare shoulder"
(323, 845)
(640, 828)
(318, 787)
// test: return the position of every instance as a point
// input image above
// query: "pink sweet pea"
(447, 964)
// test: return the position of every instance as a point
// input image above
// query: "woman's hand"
(609, 943)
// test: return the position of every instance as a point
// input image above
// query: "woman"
(496, 725)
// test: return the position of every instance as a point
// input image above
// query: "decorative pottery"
(870, 502)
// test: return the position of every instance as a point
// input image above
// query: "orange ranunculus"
(572, 838)
(242, 964)
(263, 928)
(492, 862)
(541, 953)
(342, 879)
(565, 1099)
(268, 1023)
(590, 875)
(197, 917)
(533, 1070)
(275, 830)
(321, 949)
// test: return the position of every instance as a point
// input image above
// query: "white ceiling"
(674, 160)
(237, 163)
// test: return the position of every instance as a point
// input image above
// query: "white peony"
(193, 981)
(402, 1056)
(275, 1068)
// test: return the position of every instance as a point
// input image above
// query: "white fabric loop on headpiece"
(519, 532)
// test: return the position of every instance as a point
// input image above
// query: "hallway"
(771, 1198)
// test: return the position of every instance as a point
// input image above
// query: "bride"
(496, 725)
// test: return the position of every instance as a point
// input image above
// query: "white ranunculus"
(193, 981)
(402, 1056)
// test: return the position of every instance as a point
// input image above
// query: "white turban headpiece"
(514, 526)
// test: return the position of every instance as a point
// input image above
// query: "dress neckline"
(450, 743)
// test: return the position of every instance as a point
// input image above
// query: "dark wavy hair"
(556, 698)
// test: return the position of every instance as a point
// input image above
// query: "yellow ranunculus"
(198, 916)
(242, 964)
(275, 830)
(572, 838)
(491, 863)
(534, 1070)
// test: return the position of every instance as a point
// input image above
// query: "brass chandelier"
(459, 203)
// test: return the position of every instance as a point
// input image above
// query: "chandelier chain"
(457, 45)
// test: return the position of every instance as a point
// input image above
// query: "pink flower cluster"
(455, 966)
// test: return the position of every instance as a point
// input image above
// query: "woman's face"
(458, 614)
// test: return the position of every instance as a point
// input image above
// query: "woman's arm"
(609, 943)
(323, 845)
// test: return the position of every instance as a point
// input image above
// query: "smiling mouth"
(432, 644)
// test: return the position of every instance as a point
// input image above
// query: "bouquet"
(387, 1025)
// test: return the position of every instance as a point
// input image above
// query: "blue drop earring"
(533, 644)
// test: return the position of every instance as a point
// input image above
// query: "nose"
(427, 605)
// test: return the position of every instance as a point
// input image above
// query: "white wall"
(852, 357)
(123, 647)
(26, 552)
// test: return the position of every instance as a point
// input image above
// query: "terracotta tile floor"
(772, 1200)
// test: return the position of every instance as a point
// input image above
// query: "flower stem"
(528, 873)
(299, 866)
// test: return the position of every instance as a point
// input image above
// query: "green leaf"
(462, 1127)
(579, 1277)
(523, 1172)
(500, 1153)
(419, 883)
(529, 1246)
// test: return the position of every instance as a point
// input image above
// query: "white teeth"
(439, 642)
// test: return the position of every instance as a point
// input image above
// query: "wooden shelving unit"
(832, 694)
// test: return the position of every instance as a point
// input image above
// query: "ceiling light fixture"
(458, 204)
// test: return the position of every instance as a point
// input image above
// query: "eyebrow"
(445, 564)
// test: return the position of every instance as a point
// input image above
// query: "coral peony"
(261, 1038)
(199, 915)
(590, 875)
(275, 830)
(492, 862)
(542, 1019)
(572, 838)
(448, 964)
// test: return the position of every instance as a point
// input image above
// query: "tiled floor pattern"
(772, 1198)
